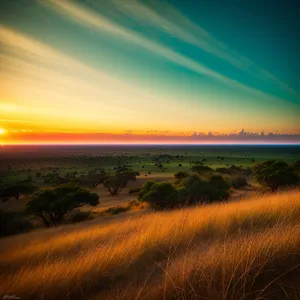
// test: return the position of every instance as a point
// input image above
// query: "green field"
(23, 162)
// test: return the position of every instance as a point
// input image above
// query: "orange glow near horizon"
(29, 137)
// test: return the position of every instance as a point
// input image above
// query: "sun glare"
(2, 131)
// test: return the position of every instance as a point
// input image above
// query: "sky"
(149, 71)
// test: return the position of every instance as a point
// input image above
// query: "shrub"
(196, 190)
(114, 210)
(80, 216)
(239, 182)
(162, 195)
(146, 187)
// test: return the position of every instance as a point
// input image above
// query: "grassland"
(248, 249)
(23, 162)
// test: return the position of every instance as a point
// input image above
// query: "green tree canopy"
(197, 190)
(179, 176)
(52, 205)
(201, 169)
(274, 174)
(162, 195)
(18, 189)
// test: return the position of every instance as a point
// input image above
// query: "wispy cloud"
(90, 18)
(42, 83)
(170, 20)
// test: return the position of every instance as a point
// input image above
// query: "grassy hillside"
(240, 250)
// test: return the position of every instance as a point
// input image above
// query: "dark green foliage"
(18, 189)
(80, 216)
(234, 170)
(96, 177)
(197, 190)
(179, 176)
(145, 189)
(201, 169)
(239, 182)
(52, 205)
(162, 195)
(13, 223)
(275, 174)
(116, 183)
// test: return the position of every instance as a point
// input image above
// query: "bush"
(12, 223)
(161, 195)
(80, 216)
(239, 182)
(145, 189)
(114, 210)
(196, 190)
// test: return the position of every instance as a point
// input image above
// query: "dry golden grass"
(240, 250)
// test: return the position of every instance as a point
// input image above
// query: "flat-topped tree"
(274, 174)
(96, 177)
(117, 182)
(17, 190)
(201, 169)
(51, 206)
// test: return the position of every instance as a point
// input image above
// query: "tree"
(179, 176)
(146, 187)
(201, 169)
(18, 189)
(97, 177)
(162, 195)
(52, 205)
(196, 190)
(116, 183)
(275, 174)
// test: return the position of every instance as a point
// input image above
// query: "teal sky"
(177, 67)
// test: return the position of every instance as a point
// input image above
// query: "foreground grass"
(241, 250)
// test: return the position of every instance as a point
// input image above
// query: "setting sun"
(2, 131)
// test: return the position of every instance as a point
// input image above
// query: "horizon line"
(150, 144)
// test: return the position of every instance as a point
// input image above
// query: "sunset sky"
(147, 71)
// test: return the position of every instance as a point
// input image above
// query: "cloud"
(49, 81)
(170, 20)
(88, 17)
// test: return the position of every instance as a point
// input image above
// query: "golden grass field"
(248, 249)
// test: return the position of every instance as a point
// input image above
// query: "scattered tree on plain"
(17, 190)
(274, 174)
(51, 206)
